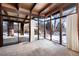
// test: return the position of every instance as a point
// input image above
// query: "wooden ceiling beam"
(17, 6)
(25, 18)
(20, 12)
(9, 9)
(6, 14)
(53, 9)
(12, 16)
(30, 11)
(14, 21)
(45, 7)
(61, 6)
(33, 7)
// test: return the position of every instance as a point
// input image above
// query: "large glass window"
(10, 33)
(16, 32)
(47, 23)
(70, 10)
(56, 30)
(26, 32)
(41, 29)
(35, 28)
(64, 37)
(5, 32)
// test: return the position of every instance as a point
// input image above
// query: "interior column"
(61, 26)
(50, 28)
(44, 30)
(22, 28)
(1, 28)
(30, 28)
(38, 27)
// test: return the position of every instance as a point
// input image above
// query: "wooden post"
(1, 28)
(30, 28)
(44, 29)
(38, 27)
(30, 34)
(61, 26)
(22, 28)
(50, 28)
(17, 7)
(18, 32)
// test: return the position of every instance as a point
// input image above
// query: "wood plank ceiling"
(41, 9)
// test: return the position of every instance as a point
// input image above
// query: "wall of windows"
(41, 29)
(10, 33)
(56, 25)
(34, 29)
(47, 29)
(26, 32)
(64, 27)
(12, 30)
(56, 30)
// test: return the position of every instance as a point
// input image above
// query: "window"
(70, 10)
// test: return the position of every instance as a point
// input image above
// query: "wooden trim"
(1, 28)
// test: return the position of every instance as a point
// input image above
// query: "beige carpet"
(37, 48)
